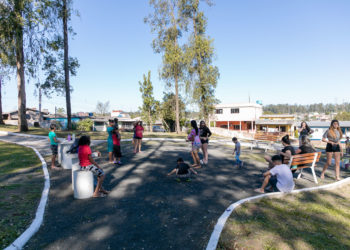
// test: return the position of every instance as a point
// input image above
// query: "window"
(234, 111)
(219, 111)
(236, 127)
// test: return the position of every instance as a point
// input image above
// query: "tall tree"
(149, 106)
(203, 76)
(169, 24)
(1, 120)
(23, 25)
(168, 112)
(102, 108)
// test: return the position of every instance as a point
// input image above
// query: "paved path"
(146, 209)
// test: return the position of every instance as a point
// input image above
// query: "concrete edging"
(39, 215)
(215, 236)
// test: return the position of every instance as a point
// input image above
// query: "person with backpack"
(196, 144)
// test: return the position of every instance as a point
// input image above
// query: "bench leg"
(314, 175)
(301, 170)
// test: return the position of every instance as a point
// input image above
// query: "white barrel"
(75, 167)
(83, 184)
(69, 160)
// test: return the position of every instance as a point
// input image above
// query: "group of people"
(278, 175)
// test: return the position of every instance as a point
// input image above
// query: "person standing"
(347, 146)
(110, 129)
(53, 145)
(138, 137)
(204, 136)
(304, 130)
(196, 144)
(237, 151)
(333, 136)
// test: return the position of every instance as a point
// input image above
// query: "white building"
(236, 116)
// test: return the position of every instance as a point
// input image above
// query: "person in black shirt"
(285, 153)
(204, 133)
(304, 130)
(182, 170)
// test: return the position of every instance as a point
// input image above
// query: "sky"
(276, 51)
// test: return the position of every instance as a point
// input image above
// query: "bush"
(85, 125)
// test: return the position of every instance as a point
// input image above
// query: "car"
(158, 129)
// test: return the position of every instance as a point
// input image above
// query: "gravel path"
(146, 209)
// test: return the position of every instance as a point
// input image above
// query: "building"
(238, 116)
(319, 127)
(32, 115)
(126, 124)
(284, 123)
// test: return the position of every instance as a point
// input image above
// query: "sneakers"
(177, 179)
(201, 161)
(119, 163)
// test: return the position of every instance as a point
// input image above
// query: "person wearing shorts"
(87, 163)
(333, 136)
(138, 136)
(53, 145)
(196, 144)
(116, 147)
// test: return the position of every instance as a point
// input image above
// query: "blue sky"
(277, 51)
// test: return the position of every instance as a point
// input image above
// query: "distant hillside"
(317, 107)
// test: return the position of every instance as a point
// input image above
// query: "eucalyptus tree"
(23, 28)
(202, 75)
(168, 23)
(149, 104)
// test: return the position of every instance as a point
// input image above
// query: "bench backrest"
(307, 158)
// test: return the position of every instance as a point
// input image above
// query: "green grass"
(94, 135)
(318, 220)
(20, 190)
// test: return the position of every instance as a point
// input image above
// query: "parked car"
(158, 129)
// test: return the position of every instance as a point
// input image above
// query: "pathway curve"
(146, 209)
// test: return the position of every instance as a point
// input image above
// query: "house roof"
(238, 105)
(27, 109)
(274, 122)
(327, 124)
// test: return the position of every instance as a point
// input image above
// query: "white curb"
(39, 216)
(215, 236)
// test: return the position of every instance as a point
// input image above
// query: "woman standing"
(333, 136)
(204, 136)
(196, 144)
(110, 129)
(138, 137)
(304, 130)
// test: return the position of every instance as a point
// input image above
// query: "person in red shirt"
(116, 146)
(87, 163)
(138, 137)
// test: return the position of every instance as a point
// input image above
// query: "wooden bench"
(301, 159)
(266, 138)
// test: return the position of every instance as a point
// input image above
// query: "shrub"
(85, 125)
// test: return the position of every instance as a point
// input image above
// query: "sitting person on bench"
(182, 170)
(279, 177)
(286, 153)
(87, 163)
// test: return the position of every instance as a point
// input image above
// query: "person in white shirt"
(279, 177)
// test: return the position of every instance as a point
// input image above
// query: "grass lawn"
(317, 220)
(94, 135)
(21, 183)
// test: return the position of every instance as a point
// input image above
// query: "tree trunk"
(66, 65)
(22, 120)
(150, 122)
(177, 112)
(40, 114)
(1, 120)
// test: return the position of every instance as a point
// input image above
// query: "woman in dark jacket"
(204, 135)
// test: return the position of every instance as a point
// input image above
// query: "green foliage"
(85, 125)
(168, 112)
(316, 107)
(343, 116)
(150, 105)
(60, 110)
(202, 75)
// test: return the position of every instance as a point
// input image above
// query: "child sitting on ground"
(182, 170)
(116, 146)
(237, 151)
(87, 163)
(279, 177)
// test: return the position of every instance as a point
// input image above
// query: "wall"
(245, 114)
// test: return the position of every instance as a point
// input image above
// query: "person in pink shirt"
(138, 137)
(196, 144)
(87, 163)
